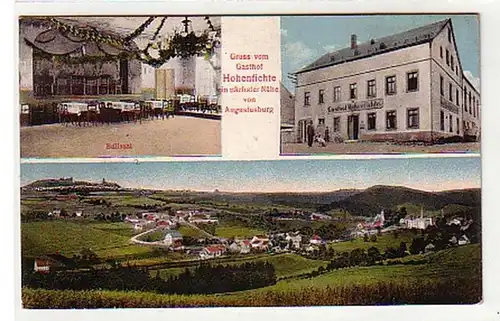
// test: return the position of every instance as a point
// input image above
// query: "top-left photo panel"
(119, 86)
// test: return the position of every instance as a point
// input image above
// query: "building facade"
(405, 87)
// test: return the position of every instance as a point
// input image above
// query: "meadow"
(383, 241)
(108, 240)
(451, 276)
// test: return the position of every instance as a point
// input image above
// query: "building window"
(474, 105)
(412, 81)
(371, 90)
(336, 93)
(372, 121)
(412, 120)
(470, 103)
(451, 123)
(307, 97)
(441, 119)
(457, 97)
(321, 96)
(447, 57)
(449, 35)
(452, 64)
(390, 85)
(458, 126)
(465, 98)
(441, 52)
(450, 92)
(391, 119)
(353, 91)
(441, 85)
(321, 121)
(336, 124)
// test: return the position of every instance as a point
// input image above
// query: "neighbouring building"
(315, 240)
(420, 223)
(295, 238)
(260, 242)
(405, 87)
(212, 251)
(287, 104)
(42, 266)
(171, 237)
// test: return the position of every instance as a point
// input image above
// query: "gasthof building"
(406, 87)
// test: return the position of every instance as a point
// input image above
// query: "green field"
(191, 232)
(130, 200)
(383, 241)
(41, 238)
(286, 265)
(229, 231)
(451, 276)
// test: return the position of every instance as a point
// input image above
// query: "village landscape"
(102, 245)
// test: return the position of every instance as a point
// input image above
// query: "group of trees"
(204, 278)
(361, 257)
(113, 217)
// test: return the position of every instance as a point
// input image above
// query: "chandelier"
(187, 43)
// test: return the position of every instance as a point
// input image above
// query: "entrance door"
(124, 76)
(353, 127)
(302, 132)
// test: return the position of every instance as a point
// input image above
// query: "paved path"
(169, 137)
(379, 148)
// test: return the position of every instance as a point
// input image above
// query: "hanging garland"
(137, 32)
(87, 34)
(182, 46)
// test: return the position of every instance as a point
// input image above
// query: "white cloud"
(298, 54)
(473, 80)
(330, 48)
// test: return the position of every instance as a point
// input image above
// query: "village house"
(212, 251)
(42, 266)
(295, 238)
(420, 223)
(260, 242)
(171, 237)
(319, 217)
(464, 240)
(315, 240)
(429, 248)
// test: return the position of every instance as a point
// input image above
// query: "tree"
(373, 255)
(417, 245)
(402, 249)
(373, 238)
(366, 238)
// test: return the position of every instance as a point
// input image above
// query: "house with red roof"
(212, 251)
(315, 240)
(42, 265)
(259, 242)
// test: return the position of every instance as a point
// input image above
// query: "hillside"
(374, 199)
(67, 182)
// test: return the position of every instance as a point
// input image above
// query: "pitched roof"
(174, 234)
(378, 46)
(42, 262)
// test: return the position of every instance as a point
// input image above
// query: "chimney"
(354, 42)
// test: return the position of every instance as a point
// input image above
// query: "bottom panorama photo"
(251, 233)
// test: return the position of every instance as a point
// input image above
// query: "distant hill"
(67, 182)
(287, 199)
(374, 199)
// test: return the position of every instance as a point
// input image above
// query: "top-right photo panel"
(380, 84)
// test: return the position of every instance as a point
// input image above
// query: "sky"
(430, 174)
(305, 38)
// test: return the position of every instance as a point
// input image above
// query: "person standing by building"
(327, 135)
(310, 134)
